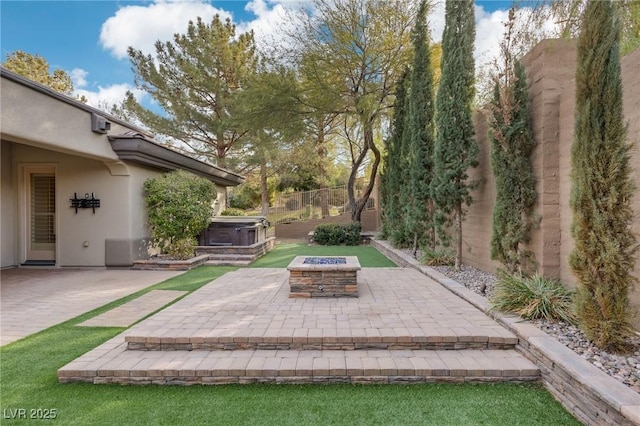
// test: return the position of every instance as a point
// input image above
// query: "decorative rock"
(624, 368)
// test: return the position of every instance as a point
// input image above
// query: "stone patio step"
(251, 309)
(224, 262)
(113, 363)
(232, 259)
(338, 339)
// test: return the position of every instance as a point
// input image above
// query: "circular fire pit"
(324, 276)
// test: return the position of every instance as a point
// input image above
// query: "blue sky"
(88, 39)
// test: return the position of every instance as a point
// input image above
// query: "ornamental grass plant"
(533, 297)
(437, 257)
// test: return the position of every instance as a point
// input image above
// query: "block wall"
(550, 69)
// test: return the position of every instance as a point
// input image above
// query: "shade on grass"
(28, 380)
(283, 254)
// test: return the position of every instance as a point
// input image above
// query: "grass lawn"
(28, 381)
(283, 254)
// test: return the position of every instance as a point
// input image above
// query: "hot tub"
(235, 231)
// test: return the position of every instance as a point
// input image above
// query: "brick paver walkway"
(35, 299)
(134, 310)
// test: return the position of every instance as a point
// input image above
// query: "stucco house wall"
(43, 130)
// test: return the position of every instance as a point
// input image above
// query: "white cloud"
(105, 97)
(141, 26)
(78, 77)
(271, 20)
(489, 34)
(489, 31)
(436, 21)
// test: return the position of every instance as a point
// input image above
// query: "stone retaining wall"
(256, 250)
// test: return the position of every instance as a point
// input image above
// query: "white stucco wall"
(39, 128)
(8, 208)
(34, 118)
(121, 215)
(78, 175)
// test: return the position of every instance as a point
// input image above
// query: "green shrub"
(333, 234)
(182, 249)
(437, 257)
(246, 196)
(179, 206)
(233, 212)
(532, 297)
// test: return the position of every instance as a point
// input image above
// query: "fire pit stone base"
(324, 276)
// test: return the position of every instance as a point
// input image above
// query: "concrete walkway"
(35, 299)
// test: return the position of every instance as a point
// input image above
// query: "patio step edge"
(375, 366)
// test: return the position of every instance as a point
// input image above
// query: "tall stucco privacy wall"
(550, 68)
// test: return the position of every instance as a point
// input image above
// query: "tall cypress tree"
(393, 217)
(456, 149)
(601, 191)
(511, 146)
(420, 212)
(402, 236)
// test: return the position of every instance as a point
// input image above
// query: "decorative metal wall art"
(84, 203)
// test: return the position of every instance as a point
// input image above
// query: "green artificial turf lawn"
(28, 381)
(283, 254)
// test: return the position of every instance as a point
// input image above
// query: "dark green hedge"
(333, 234)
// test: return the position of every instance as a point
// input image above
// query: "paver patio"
(243, 328)
(35, 299)
(251, 309)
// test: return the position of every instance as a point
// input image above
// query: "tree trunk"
(322, 173)
(324, 201)
(264, 188)
(432, 227)
(458, 219)
(359, 205)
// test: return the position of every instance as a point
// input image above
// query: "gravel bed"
(625, 368)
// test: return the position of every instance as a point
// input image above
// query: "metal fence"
(315, 204)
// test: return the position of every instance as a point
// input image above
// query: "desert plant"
(179, 206)
(437, 257)
(532, 297)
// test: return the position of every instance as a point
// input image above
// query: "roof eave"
(138, 149)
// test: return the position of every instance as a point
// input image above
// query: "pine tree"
(601, 191)
(511, 146)
(393, 213)
(421, 128)
(196, 80)
(456, 149)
